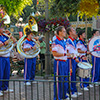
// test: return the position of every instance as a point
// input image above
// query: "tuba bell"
(32, 25)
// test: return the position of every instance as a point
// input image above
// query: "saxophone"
(32, 25)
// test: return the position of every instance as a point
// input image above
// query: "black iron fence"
(41, 90)
(44, 90)
(19, 66)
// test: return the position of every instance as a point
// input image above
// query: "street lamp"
(20, 25)
(21, 19)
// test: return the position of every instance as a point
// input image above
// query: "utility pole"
(47, 54)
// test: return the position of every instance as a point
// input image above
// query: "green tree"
(15, 7)
(63, 7)
(41, 6)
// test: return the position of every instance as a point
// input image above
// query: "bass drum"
(84, 69)
(94, 46)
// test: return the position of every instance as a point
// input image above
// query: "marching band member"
(82, 49)
(5, 63)
(30, 63)
(95, 63)
(72, 63)
(60, 55)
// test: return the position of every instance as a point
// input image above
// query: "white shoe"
(34, 82)
(90, 86)
(78, 93)
(9, 90)
(74, 95)
(96, 83)
(27, 83)
(67, 94)
(1, 94)
(85, 89)
(68, 98)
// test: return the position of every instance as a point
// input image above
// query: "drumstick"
(85, 64)
(94, 50)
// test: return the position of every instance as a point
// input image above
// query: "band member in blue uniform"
(30, 63)
(60, 56)
(82, 49)
(95, 63)
(5, 62)
(72, 63)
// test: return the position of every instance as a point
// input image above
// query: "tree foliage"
(63, 7)
(89, 8)
(15, 7)
(84, 7)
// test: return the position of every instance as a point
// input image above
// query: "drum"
(94, 46)
(84, 69)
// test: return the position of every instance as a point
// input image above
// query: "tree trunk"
(47, 54)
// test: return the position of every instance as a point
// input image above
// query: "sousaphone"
(6, 20)
(32, 25)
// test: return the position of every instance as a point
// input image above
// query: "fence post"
(69, 84)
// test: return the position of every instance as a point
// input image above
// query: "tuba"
(32, 25)
(5, 19)
(7, 48)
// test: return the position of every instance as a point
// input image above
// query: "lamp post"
(20, 25)
(20, 19)
(47, 54)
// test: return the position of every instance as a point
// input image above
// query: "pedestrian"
(42, 51)
(54, 37)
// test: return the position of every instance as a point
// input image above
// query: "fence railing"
(44, 90)
(19, 66)
(41, 90)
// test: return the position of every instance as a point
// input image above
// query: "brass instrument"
(32, 25)
(7, 48)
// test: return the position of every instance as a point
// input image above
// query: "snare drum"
(84, 69)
